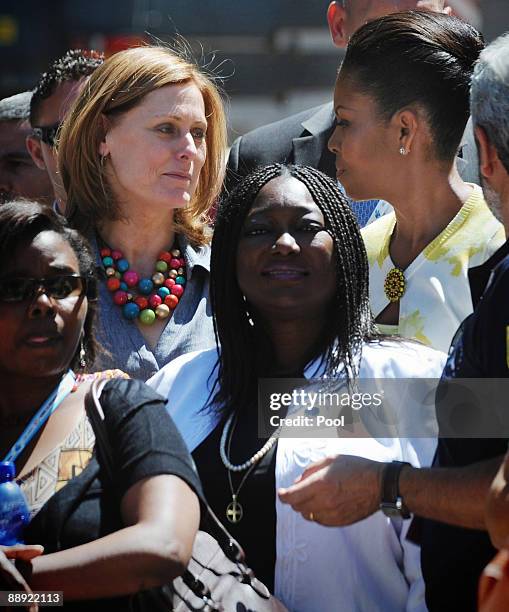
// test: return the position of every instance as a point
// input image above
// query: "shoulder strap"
(95, 413)
(96, 416)
(52, 436)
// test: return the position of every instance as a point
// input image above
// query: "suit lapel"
(310, 149)
(307, 150)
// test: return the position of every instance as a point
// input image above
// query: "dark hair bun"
(418, 57)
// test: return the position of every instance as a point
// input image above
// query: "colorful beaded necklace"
(147, 299)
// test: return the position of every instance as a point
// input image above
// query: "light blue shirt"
(363, 210)
(122, 345)
(366, 211)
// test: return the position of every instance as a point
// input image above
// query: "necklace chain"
(234, 510)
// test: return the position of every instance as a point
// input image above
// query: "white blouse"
(360, 568)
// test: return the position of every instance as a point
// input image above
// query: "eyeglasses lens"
(57, 287)
(61, 287)
(47, 134)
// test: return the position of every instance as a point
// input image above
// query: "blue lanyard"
(57, 396)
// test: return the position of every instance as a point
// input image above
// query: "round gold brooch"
(395, 285)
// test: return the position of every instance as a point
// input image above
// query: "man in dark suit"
(302, 138)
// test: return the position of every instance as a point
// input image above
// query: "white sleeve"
(412, 570)
(419, 452)
(162, 381)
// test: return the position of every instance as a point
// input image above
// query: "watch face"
(395, 509)
(390, 509)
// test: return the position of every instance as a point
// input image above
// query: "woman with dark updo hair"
(402, 103)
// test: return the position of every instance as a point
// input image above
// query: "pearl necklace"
(254, 459)
(234, 510)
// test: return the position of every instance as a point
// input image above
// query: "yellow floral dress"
(437, 296)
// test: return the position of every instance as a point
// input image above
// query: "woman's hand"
(336, 491)
(10, 577)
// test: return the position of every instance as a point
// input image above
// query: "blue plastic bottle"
(14, 511)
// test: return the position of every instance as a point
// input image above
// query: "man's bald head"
(16, 107)
(347, 16)
(391, 6)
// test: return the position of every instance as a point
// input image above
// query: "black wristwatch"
(391, 502)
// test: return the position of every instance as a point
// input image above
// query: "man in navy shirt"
(481, 348)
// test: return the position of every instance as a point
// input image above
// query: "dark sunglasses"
(47, 134)
(57, 287)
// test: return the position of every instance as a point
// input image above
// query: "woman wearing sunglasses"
(102, 540)
(142, 160)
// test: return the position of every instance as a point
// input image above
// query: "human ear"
(488, 156)
(104, 149)
(336, 16)
(436, 6)
(406, 121)
(33, 146)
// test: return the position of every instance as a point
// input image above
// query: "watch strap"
(390, 496)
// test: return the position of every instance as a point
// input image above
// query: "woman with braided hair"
(402, 102)
(289, 294)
